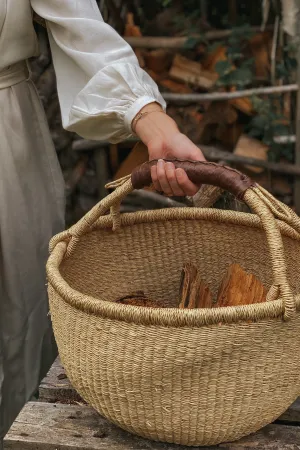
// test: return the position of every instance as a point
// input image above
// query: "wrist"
(155, 125)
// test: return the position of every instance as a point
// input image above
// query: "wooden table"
(61, 421)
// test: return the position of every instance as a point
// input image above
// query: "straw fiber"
(191, 377)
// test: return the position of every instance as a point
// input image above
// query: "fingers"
(173, 182)
(188, 187)
(162, 177)
(171, 177)
(155, 179)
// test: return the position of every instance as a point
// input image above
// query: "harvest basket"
(192, 377)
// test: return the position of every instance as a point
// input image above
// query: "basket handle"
(260, 201)
(199, 172)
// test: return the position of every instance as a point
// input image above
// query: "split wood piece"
(260, 47)
(157, 77)
(194, 293)
(207, 196)
(138, 299)
(191, 72)
(219, 54)
(132, 30)
(158, 60)
(249, 147)
(240, 288)
(174, 86)
(243, 104)
(216, 120)
(137, 156)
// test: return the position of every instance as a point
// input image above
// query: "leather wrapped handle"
(199, 172)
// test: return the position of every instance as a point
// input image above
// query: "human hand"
(161, 135)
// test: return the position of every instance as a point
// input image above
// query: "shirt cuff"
(135, 109)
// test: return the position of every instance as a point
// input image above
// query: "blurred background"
(228, 70)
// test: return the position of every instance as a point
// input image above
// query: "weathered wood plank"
(44, 426)
(56, 387)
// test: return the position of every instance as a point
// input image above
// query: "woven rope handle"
(260, 201)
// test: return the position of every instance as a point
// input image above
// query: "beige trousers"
(31, 211)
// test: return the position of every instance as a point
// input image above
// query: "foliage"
(238, 68)
(268, 124)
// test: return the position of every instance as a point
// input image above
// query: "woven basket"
(192, 377)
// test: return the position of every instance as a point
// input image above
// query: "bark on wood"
(191, 72)
(240, 288)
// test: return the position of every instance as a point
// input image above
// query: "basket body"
(190, 385)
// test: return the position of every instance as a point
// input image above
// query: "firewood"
(157, 77)
(191, 72)
(132, 30)
(188, 276)
(228, 136)
(194, 293)
(174, 86)
(137, 156)
(202, 294)
(158, 60)
(260, 49)
(219, 54)
(216, 120)
(138, 299)
(240, 288)
(252, 148)
(207, 196)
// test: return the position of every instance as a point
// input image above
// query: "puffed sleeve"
(101, 86)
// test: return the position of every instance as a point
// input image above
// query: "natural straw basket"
(192, 377)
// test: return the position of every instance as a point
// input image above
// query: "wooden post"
(297, 147)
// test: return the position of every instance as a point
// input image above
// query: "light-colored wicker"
(192, 377)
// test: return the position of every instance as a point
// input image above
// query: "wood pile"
(218, 124)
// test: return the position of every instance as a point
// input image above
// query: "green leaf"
(241, 77)
(223, 67)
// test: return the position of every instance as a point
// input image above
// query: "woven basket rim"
(166, 316)
(192, 213)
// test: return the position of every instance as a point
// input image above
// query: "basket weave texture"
(191, 377)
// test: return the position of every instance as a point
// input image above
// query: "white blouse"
(100, 84)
